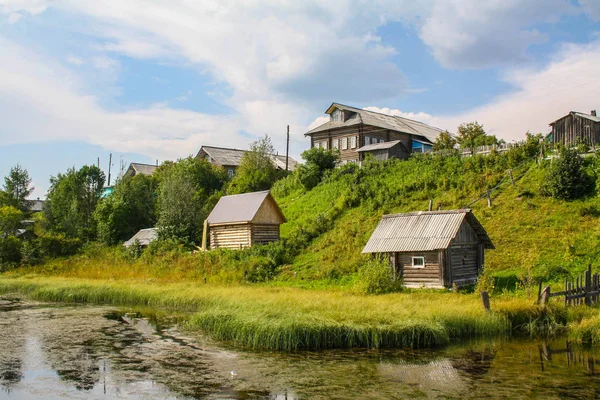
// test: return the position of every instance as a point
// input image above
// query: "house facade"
(576, 127)
(243, 220)
(230, 159)
(432, 248)
(350, 129)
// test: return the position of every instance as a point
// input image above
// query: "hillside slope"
(534, 235)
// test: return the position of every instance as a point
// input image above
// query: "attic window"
(337, 116)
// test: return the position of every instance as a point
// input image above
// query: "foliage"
(10, 250)
(10, 220)
(471, 135)
(53, 246)
(567, 177)
(375, 277)
(17, 187)
(256, 170)
(444, 141)
(131, 207)
(72, 200)
(187, 193)
(318, 161)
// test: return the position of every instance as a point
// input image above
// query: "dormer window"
(337, 116)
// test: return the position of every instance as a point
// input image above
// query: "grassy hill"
(534, 235)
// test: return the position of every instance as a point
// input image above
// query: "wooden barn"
(432, 248)
(576, 127)
(243, 220)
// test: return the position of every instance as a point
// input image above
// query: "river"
(55, 351)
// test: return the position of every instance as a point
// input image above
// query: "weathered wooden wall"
(263, 234)
(570, 129)
(464, 257)
(268, 213)
(428, 276)
(230, 236)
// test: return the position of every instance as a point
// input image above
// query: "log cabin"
(351, 130)
(432, 248)
(230, 159)
(243, 220)
(575, 128)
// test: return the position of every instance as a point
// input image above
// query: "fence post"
(430, 205)
(588, 285)
(489, 198)
(485, 298)
(512, 179)
(545, 296)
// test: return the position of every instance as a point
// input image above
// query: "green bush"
(10, 251)
(53, 246)
(376, 277)
(567, 177)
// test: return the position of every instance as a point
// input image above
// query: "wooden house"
(243, 220)
(350, 129)
(139, 168)
(144, 237)
(230, 159)
(432, 248)
(576, 127)
(383, 151)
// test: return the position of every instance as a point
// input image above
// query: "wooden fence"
(585, 289)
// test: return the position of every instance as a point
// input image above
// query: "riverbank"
(286, 318)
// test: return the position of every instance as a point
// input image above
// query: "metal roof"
(379, 146)
(144, 236)
(239, 208)
(579, 114)
(35, 205)
(233, 157)
(385, 121)
(422, 231)
(144, 169)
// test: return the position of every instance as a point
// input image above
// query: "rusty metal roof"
(144, 236)
(380, 120)
(422, 231)
(240, 208)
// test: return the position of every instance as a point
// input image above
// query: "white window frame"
(418, 258)
(344, 143)
(367, 140)
(335, 143)
(230, 172)
(352, 142)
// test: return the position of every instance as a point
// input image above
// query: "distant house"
(138, 168)
(576, 127)
(144, 237)
(432, 248)
(383, 151)
(351, 129)
(230, 159)
(243, 220)
(35, 206)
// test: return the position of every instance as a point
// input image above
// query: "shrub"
(58, 245)
(375, 277)
(567, 177)
(318, 162)
(10, 251)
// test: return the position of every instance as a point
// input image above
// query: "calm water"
(82, 352)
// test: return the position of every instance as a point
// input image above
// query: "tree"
(567, 178)
(445, 141)
(10, 220)
(186, 194)
(131, 207)
(72, 200)
(318, 161)
(257, 170)
(17, 187)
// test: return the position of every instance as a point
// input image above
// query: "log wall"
(263, 234)
(428, 276)
(230, 236)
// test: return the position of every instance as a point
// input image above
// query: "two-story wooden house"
(356, 132)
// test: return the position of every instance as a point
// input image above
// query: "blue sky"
(147, 80)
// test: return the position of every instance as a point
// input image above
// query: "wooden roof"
(243, 208)
(422, 231)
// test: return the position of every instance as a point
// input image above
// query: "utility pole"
(98, 162)
(109, 165)
(287, 149)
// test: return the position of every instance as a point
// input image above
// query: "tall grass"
(263, 317)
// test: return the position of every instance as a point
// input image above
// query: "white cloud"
(107, 63)
(478, 34)
(419, 116)
(71, 59)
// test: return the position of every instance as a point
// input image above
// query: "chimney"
(593, 112)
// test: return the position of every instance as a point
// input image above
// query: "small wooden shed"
(384, 151)
(144, 237)
(432, 248)
(243, 220)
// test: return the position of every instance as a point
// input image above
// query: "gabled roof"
(35, 205)
(422, 231)
(384, 121)
(144, 236)
(380, 146)
(240, 208)
(138, 168)
(579, 114)
(233, 157)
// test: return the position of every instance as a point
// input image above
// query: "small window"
(344, 143)
(230, 173)
(367, 140)
(381, 140)
(335, 143)
(325, 145)
(418, 262)
(352, 142)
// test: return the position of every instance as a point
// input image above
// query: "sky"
(154, 80)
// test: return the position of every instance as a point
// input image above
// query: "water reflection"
(95, 352)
